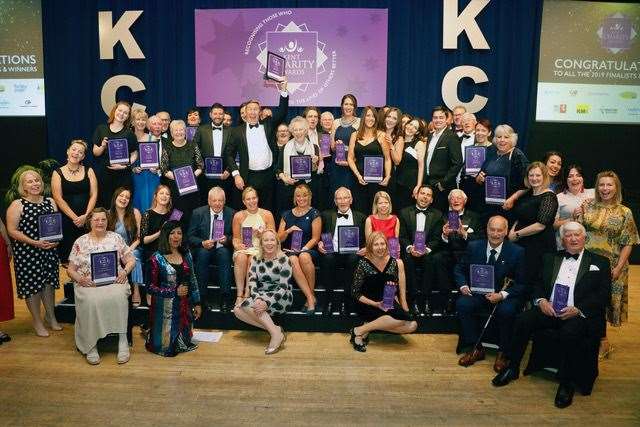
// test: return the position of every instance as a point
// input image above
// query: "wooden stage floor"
(318, 380)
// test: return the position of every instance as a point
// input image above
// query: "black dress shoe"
(564, 396)
(505, 377)
(4, 337)
(414, 309)
(427, 310)
(226, 306)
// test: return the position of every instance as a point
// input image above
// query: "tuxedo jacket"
(474, 232)
(592, 290)
(204, 140)
(509, 264)
(200, 226)
(432, 227)
(238, 141)
(330, 216)
(446, 161)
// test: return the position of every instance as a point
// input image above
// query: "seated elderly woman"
(175, 299)
(101, 309)
(376, 271)
(268, 290)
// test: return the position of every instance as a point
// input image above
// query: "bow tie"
(254, 126)
(465, 136)
(567, 255)
(345, 216)
(217, 127)
(421, 211)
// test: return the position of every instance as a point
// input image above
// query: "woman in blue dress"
(145, 180)
(175, 299)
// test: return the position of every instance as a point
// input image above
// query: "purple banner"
(328, 52)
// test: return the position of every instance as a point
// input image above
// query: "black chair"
(585, 367)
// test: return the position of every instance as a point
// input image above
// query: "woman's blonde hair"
(275, 235)
(381, 195)
(302, 188)
(247, 190)
(372, 239)
(22, 178)
(616, 181)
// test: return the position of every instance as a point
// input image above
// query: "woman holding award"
(75, 190)
(124, 219)
(380, 292)
(369, 160)
(114, 149)
(182, 157)
(408, 154)
(381, 218)
(268, 290)
(175, 299)
(35, 259)
(146, 175)
(248, 225)
(299, 231)
(468, 184)
(299, 160)
(570, 201)
(101, 288)
(339, 173)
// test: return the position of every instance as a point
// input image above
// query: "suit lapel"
(557, 261)
(584, 266)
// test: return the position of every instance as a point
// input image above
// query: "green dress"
(609, 229)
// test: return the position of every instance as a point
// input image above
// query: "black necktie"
(421, 211)
(492, 257)
(254, 126)
(567, 255)
(465, 136)
(217, 127)
(345, 216)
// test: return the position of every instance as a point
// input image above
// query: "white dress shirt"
(567, 276)
(432, 147)
(260, 156)
(216, 136)
(342, 221)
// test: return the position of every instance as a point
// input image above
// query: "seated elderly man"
(507, 260)
(571, 299)
(461, 226)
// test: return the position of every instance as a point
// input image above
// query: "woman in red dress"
(6, 287)
(382, 219)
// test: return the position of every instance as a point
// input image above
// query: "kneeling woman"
(373, 272)
(100, 310)
(268, 290)
(175, 299)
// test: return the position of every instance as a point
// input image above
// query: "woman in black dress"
(533, 215)
(368, 141)
(109, 176)
(74, 188)
(176, 154)
(408, 156)
(373, 272)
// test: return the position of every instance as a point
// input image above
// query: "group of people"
(420, 222)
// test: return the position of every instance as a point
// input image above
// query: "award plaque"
(481, 278)
(185, 180)
(495, 188)
(348, 239)
(213, 167)
(247, 236)
(300, 167)
(276, 66)
(325, 145)
(420, 242)
(560, 297)
(394, 247)
(118, 151)
(373, 168)
(389, 295)
(104, 267)
(454, 220)
(341, 153)
(149, 156)
(473, 159)
(190, 132)
(50, 227)
(296, 240)
(176, 215)
(327, 242)
(217, 232)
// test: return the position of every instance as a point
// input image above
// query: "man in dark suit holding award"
(210, 242)
(461, 226)
(213, 139)
(342, 215)
(419, 247)
(443, 159)
(571, 299)
(508, 264)
(254, 141)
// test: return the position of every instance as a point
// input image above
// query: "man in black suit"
(421, 217)
(454, 243)
(207, 249)
(508, 264)
(587, 278)
(213, 139)
(443, 160)
(330, 261)
(254, 141)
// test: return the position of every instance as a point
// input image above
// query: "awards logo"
(583, 108)
(616, 33)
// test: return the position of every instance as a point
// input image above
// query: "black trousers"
(263, 182)
(332, 279)
(416, 287)
(571, 333)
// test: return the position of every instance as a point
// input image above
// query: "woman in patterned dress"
(373, 272)
(175, 299)
(611, 232)
(268, 290)
(35, 261)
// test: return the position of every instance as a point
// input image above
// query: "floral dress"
(609, 229)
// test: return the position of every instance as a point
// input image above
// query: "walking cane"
(507, 282)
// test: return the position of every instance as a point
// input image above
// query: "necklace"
(74, 172)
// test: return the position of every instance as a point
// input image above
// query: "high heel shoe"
(273, 350)
(4, 337)
(54, 327)
(357, 347)
(605, 352)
